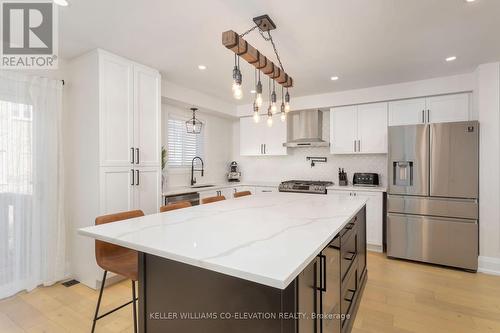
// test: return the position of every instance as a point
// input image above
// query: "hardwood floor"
(399, 297)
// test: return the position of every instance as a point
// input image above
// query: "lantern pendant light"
(193, 125)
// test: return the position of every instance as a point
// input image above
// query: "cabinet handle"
(350, 256)
(428, 116)
(264, 148)
(261, 150)
(322, 272)
(354, 145)
(359, 146)
(132, 155)
(133, 181)
(351, 296)
(137, 151)
(137, 180)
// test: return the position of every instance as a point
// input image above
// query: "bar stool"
(175, 205)
(119, 260)
(213, 199)
(242, 194)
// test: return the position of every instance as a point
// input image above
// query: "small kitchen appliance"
(233, 175)
(365, 179)
(304, 186)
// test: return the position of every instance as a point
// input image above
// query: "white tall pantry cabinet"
(113, 110)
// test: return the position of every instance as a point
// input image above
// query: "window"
(15, 148)
(182, 147)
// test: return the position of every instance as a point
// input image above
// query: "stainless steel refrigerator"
(432, 205)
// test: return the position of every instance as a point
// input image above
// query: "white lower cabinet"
(374, 215)
(123, 188)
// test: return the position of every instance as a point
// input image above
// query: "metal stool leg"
(134, 306)
(99, 300)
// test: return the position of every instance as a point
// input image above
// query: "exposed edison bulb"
(283, 116)
(256, 117)
(258, 100)
(237, 91)
(269, 121)
(274, 108)
(287, 107)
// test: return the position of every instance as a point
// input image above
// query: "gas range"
(304, 186)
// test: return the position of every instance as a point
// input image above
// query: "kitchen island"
(279, 262)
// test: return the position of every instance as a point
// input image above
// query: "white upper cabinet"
(343, 129)
(359, 129)
(275, 136)
(372, 128)
(116, 100)
(147, 106)
(251, 136)
(448, 108)
(438, 109)
(130, 104)
(258, 139)
(407, 112)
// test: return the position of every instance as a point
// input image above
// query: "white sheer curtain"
(32, 232)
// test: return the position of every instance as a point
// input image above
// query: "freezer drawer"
(442, 207)
(454, 159)
(444, 241)
(409, 160)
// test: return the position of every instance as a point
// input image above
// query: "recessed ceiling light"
(252, 91)
(451, 58)
(202, 67)
(470, 0)
(61, 2)
(334, 78)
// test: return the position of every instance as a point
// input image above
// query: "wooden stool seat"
(213, 199)
(242, 194)
(119, 260)
(175, 205)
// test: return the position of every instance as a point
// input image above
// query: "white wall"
(295, 166)
(218, 147)
(488, 103)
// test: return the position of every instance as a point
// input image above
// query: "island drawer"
(349, 229)
(349, 293)
(348, 253)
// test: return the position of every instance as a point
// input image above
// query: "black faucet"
(193, 180)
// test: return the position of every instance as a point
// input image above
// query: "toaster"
(365, 179)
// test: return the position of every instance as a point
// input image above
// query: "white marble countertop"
(268, 238)
(357, 188)
(217, 186)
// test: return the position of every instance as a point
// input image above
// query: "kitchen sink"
(201, 186)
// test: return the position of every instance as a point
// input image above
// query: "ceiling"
(364, 42)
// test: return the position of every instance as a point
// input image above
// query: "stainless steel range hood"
(305, 129)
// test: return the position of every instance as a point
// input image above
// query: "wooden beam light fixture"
(242, 49)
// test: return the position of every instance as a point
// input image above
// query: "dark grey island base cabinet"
(176, 297)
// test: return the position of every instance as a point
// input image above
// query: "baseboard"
(374, 248)
(489, 265)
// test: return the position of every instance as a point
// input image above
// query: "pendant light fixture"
(237, 79)
(193, 125)
(242, 49)
(274, 108)
(282, 108)
(269, 108)
(258, 89)
(287, 101)
(256, 116)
